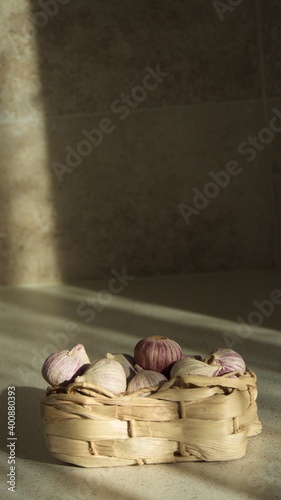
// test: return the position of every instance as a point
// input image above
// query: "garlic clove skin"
(167, 371)
(127, 362)
(60, 368)
(226, 360)
(106, 373)
(156, 353)
(189, 366)
(145, 378)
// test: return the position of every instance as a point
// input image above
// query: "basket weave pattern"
(188, 418)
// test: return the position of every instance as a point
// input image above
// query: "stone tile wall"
(137, 134)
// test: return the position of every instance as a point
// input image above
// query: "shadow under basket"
(188, 418)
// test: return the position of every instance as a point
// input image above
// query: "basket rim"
(227, 383)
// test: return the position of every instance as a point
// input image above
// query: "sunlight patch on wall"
(28, 214)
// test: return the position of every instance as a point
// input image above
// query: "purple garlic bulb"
(157, 353)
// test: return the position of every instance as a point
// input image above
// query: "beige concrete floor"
(200, 312)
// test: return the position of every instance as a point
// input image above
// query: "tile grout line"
(268, 153)
(105, 114)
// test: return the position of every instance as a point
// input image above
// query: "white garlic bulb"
(61, 367)
(145, 378)
(106, 373)
(226, 360)
(189, 366)
(126, 361)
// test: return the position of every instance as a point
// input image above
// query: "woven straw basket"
(188, 418)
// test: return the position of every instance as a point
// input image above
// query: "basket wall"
(188, 418)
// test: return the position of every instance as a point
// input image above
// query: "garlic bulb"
(189, 366)
(157, 353)
(61, 367)
(226, 360)
(126, 361)
(106, 373)
(167, 371)
(145, 378)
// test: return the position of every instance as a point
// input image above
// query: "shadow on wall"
(103, 144)
(118, 153)
(101, 188)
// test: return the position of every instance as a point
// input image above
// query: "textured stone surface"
(271, 32)
(119, 207)
(27, 212)
(89, 53)
(140, 174)
(20, 80)
(275, 160)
